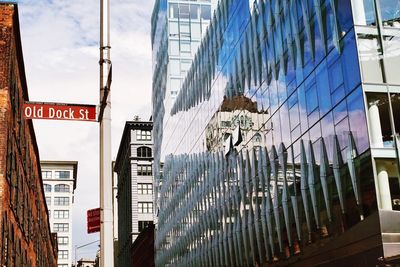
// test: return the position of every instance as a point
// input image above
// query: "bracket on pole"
(106, 91)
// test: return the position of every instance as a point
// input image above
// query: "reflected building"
(315, 180)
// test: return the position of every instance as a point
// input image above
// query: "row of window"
(57, 188)
(145, 170)
(192, 11)
(58, 201)
(144, 152)
(57, 174)
(63, 254)
(60, 214)
(60, 227)
(143, 135)
(145, 189)
(145, 207)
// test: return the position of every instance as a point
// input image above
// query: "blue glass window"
(335, 75)
(340, 111)
(358, 122)
(312, 99)
(323, 89)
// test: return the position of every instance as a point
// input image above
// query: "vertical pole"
(106, 229)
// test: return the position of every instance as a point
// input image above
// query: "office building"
(134, 168)
(318, 182)
(59, 183)
(25, 236)
(177, 27)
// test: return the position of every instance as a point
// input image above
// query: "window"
(206, 12)
(145, 170)
(183, 11)
(61, 201)
(194, 11)
(145, 207)
(63, 254)
(144, 152)
(62, 265)
(47, 188)
(61, 214)
(62, 240)
(173, 11)
(143, 135)
(46, 174)
(48, 201)
(62, 174)
(61, 188)
(60, 227)
(145, 189)
(143, 224)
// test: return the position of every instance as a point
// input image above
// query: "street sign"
(59, 111)
(93, 221)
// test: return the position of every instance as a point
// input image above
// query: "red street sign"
(59, 111)
(93, 220)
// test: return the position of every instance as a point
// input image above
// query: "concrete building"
(59, 182)
(25, 235)
(134, 168)
(318, 183)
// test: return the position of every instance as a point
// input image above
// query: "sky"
(60, 41)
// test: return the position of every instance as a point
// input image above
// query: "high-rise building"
(59, 183)
(177, 27)
(25, 235)
(285, 144)
(134, 168)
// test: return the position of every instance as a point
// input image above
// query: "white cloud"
(61, 52)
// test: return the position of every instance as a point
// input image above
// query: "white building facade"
(59, 182)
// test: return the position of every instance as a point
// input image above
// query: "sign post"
(106, 227)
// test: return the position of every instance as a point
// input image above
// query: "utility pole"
(106, 227)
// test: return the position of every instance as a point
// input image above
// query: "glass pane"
(392, 58)
(370, 52)
(194, 10)
(206, 12)
(390, 12)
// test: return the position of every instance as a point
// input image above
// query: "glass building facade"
(282, 142)
(177, 27)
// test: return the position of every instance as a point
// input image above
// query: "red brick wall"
(25, 238)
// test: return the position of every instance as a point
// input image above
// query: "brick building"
(25, 237)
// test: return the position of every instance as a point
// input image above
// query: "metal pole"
(106, 230)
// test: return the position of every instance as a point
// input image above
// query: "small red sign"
(93, 221)
(59, 111)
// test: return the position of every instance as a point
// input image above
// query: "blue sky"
(61, 54)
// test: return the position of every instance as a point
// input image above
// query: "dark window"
(61, 201)
(145, 170)
(144, 152)
(47, 188)
(62, 174)
(61, 188)
(143, 224)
